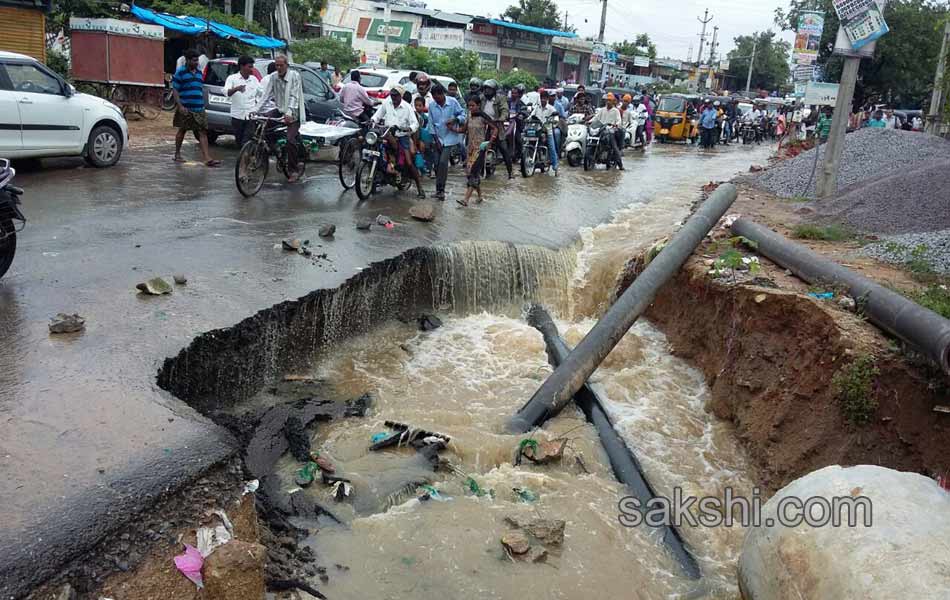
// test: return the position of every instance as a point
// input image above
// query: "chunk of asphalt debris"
(384, 221)
(429, 322)
(306, 251)
(515, 542)
(291, 245)
(423, 211)
(180, 279)
(364, 225)
(154, 287)
(63, 323)
(327, 231)
(357, 407)
(297, 439)
(546, 531)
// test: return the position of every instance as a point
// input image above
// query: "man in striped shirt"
(190, 114)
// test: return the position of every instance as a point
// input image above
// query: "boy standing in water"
(480, 129)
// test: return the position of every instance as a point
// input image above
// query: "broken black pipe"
(558, 389)
(623, 461)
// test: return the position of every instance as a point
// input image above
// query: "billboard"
(641, 61)
(821, 94)
(376, 30)
(808, 37)
(862, 20)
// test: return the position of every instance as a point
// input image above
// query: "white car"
(42, 115)
(378, 81)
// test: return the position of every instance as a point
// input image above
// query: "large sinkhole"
(423, 523)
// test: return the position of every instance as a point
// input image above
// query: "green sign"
(399, 31)
(343, 36)
(572, 58)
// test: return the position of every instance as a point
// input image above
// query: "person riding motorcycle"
(475, 86)
(732, 112)
(517, 112)
(400, 118)
(581, 103)
(423, 88)
(495, 108)
(545, 112)
(609, 116)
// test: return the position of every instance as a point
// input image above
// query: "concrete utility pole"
(702, 37)
(748, 79)
(565, 20)
(603, 21)
(827, 184)
(933, 116)
(712, 53)
(387, 15)
(248, 10)
(689, 55)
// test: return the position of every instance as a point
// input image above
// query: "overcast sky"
(672, 24)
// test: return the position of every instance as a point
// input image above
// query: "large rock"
(904, 554)
(423, 211)
(235, 571)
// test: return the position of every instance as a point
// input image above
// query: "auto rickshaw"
(675, 119)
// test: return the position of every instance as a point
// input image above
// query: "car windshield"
(218, 72)
(372, 80)
(671, 104)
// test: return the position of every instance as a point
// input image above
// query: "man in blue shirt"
(446, 115)
(707, 124)
(190, 113)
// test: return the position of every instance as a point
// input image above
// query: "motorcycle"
(534, 146)
(372, 172)
(598, 146)
(575, 146)
(9, 215)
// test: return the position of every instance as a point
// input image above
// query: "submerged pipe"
(623, 461)
(558, 389)
(918, 326)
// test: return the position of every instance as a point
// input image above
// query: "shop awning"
(537, 30)
(195, 25)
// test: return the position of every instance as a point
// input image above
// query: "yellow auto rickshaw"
(675, 119)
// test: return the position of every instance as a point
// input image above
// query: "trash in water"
(302, 378)
(525, 495)
(431, 493)
(63, 323)
(477, 489)
(180, 279)
(306, 474)
(384, 221)
(324, 463)
(378, 437)
(542, 452)
(822, 295)
(429, 322)
(250, 487)
(155, 287)
(291, 245)
(423, 211)
(190, 564)
(341, 489)
(406, 435)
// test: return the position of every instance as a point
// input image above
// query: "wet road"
(84, 430)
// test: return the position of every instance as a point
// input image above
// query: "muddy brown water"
(465, 380)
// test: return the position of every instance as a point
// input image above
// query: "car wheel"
(104, 147)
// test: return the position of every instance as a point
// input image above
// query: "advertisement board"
(117, 27)
(441, 37)
(399, 31)
(808, 37)
(641, 61)
(862, 20)
(821, 94)
(344, 36)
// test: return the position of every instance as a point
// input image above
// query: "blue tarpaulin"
(195, 26)
(538, 30)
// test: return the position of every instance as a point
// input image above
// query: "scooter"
(9, 215)
(634, 135)
(575, 146)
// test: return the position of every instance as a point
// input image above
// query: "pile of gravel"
(934, 249)
(914, 199)
(868, 153)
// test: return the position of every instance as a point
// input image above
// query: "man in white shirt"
(242, 88)
(546, 112)
(610, 116)
(397, 114)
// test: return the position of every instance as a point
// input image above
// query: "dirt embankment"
(770, 355)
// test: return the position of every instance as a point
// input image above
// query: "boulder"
(235, 571)
(904, 554)
(423, 211)
(515, 542)
(327, 231)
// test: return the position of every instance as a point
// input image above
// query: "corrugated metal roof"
(448, 17)
(538, 30)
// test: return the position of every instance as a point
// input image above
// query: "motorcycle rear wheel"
(7, 245)
(250, 169)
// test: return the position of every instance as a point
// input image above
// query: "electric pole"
(248, 10)
(388, 14)
(702, 37)
(827, 184)
(748, 79)
(603, 22)
(712, 55)
(565, 20)
(933, 116)
(689, 55)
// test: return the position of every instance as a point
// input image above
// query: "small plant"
(918, 262)
(827, 233)
(935, 297)
(799, 199)
(731, 261)
(852, 385)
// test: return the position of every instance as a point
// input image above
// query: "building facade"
(23, 27)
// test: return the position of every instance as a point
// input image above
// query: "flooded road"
(86, 432)
(465, 380)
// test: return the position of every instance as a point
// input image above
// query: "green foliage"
(196, 9)
(460, 65)
(538, 13)
(332, 50)
(58, 63)
(511, 78)
(641, 46)
(731, 260)
(936, 297)
(772, 56)
(828, 233)
(901, 71)
(58, 18)
(853, 389)
(914, 259)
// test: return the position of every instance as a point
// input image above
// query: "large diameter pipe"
(623, 461)
(918, 326)
(558, 389)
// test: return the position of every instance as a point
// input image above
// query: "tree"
(770, 70)
(537, 13)
(332, 50)
(641, 46)
(901, 71)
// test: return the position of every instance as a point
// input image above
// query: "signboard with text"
(117, 27)
(399, 31)
(808, 37)
(516, 39)
(821, 94)
(441, 37)
(343, 36)
(641, 61)
(862, 20)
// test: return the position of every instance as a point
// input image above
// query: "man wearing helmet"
(475, 87)
(423, 88)
(495, 108)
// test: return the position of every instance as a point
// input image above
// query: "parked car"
(42, 115)
(445, 81)
(378, 81)
(321, 101)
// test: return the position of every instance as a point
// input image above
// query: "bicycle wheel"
(349, 162)
(251, 168)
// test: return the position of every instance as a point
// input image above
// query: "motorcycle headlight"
(371, 138)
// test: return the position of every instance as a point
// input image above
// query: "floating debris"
(155, 287)
(63, 323)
